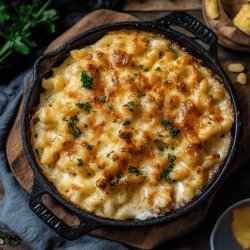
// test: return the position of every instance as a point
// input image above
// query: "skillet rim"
(41, 180)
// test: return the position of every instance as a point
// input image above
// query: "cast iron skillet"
(43, 67)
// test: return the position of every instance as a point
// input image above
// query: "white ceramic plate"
(222, 236)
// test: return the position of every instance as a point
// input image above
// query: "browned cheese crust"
(131, 126)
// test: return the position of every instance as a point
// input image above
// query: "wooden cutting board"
(146, 237)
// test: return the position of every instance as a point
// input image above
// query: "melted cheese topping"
(131, 126)
(241, 226)
(242, 19)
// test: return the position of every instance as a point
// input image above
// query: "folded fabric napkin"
(14, 207)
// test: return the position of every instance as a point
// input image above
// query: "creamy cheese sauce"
(131, 126)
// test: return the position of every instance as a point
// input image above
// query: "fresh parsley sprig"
(16, 26)
(165, 173)
(134, 170)
(87, 80)
(13, 240)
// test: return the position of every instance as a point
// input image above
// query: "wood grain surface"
(145, 238)
(228, 34)
(161, 5)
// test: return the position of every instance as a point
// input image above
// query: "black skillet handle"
(194, 26)
(67, 232)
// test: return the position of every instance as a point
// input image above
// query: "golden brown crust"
(131, 126)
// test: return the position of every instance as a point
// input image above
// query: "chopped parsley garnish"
(86, 106)
(79, 162)
(165, 122)
(165, 173)
(132, 105)
(174, 132)
(171, 159)
(140, 94)
(114, 120)
(89, 147)
(71, 124)
(103, 99)
(136, 74)
(80, 105)
(142, 67)
(209, 123)
(76, 132)
(158, 69)
(159, 135)
(110, 153)
(118, 178)
(85, 125)
(134, 170)
(126, 123)
(87, 80)
(110, 107)
(74, 118)
(167, 82)
(161, 148)
(172, 148)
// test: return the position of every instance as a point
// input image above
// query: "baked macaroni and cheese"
(131, 126)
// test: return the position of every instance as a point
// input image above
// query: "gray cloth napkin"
(14, 208)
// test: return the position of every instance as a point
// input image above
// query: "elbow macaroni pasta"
(131, 126)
